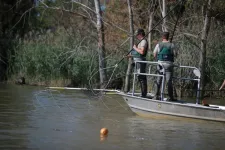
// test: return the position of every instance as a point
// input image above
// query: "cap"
(140, 31)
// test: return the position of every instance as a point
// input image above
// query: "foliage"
(53, 56)
(215, 57)
(17, 18)
(57, 42)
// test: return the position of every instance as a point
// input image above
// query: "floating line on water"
(103, 91)
(71, 88)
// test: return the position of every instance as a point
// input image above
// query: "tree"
(13, 21)
(101, 44)
(205, 31)
(129, 67)
(152, 10)
(163, 8)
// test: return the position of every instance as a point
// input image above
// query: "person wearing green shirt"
(164, 53)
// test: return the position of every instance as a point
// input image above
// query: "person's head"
(140, 33)
(165, 35)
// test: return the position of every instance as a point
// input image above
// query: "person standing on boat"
(139, 53)
(164, 53)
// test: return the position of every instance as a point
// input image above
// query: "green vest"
(135, 54)
(165, 52)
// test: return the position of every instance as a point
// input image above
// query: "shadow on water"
(36, 118)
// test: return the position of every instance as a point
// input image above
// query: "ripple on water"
(35, 118)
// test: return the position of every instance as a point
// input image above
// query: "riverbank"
(31, 82)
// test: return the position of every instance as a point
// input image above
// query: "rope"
(90, 84)
(115, 66)
(154, 27)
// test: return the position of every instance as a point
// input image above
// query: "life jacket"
(135, 54)
(165, 52)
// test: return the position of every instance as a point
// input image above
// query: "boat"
(178, 108)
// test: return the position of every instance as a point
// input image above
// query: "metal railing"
(163, 75)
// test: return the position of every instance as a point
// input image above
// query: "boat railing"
(196, 72)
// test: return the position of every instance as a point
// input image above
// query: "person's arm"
(222, 85)
(155, 52)
(140, 50)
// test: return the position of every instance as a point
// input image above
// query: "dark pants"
(168, 70)
(141, 68)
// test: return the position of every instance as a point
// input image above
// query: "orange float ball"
(104, 131)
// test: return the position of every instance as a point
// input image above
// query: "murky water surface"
(36, 118)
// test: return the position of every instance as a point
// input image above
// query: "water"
(34, 118)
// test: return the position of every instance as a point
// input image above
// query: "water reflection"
(36, 118)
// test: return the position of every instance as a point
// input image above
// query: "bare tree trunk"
(205, 31)
(162, 4)
(129, 68)
(152, 10)
(101, 44)
(151, 16)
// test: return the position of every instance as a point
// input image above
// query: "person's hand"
(135, 47)
(127, 56)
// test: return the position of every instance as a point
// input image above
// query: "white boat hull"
(180, 108)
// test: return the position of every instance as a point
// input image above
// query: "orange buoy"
(104, 131)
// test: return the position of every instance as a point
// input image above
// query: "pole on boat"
(197, 73)
(135, 70)
(198, 93)
(163, 84)
(182, 3)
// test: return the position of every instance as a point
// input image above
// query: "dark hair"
(166, 35)
(140, 31)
